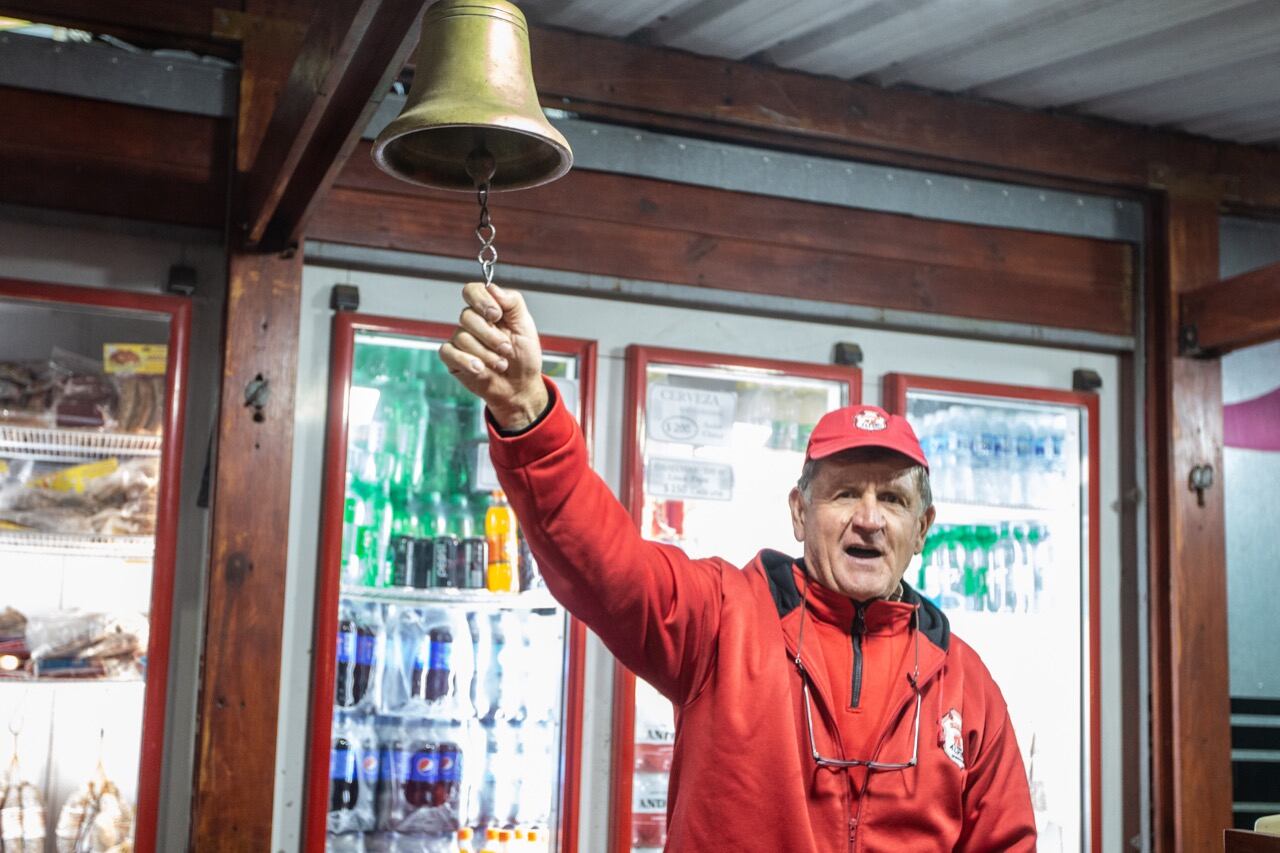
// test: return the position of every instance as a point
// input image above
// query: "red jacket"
(719, 642)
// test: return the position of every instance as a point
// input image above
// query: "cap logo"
(869, 421)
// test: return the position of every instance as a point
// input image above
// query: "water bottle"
(1022, 585)
(1022, 435)
(960, 441)
(1002, 457)
(1000, 576)
(984, 444)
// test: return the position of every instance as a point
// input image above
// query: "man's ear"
(926, 521)
(796, 500)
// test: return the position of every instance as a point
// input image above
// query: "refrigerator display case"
(714, 444)
(91, 389)
(447, 688)
(1013, 559)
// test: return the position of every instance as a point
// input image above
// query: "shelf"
(87, 544)
(45, 679)
(72, 445)
(952, 512)
(472, 598)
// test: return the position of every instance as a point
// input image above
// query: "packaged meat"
(105, 497)
(22, 823)
(26, 393)
(94, 820)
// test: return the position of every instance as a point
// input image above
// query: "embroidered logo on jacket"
(951, 737)
(869, 421)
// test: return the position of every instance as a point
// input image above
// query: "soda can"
(444, 556)
(474, 560)
(401, 561)
(420, 563)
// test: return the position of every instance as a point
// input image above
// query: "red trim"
(329, 558)
(178, 312)
(895, 388)
(624, 681)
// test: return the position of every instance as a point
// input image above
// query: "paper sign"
(486, 474)
(688, 478)
(690, 415)
(140, 359)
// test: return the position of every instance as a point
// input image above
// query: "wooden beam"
(349, 56)
(641, 228)
(1190, 737)
(112, 159)
(585, 73)
(244, 609)
(185, 24)
(1233, 313)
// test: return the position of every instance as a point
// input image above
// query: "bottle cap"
(504, 835)
(491, 834)
(533, 835)
(519, 834)
(465, 833)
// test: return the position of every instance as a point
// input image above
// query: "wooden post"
(244, 612)
(1191, 750)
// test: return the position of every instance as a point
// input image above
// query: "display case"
(714, 444)
(1012, 559)
(447, 689)
(91, 399)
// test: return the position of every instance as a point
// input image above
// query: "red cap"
(864, 426)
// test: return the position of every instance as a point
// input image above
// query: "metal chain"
(486, 232)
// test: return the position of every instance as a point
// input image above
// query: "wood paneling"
(348, 58)
(99, 157)
(1237, 312)
(1191, 753)
(1242, 841)
(582, 71)
(647, 229)
(239, 696)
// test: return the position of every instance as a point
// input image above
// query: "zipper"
(858, 631)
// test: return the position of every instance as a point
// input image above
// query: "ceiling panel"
(1205, 66)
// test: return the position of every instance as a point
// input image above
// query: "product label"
(690, 415)
(666, 479)
(397, 764)
(366, 647)
(346, 646)
(441, 656)
(139, 359)
(369, 765)
(450, 766)
(75, 479)
(342, 764)
(423, 767)
(649, 801)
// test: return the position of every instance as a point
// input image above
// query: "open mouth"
(862, 553)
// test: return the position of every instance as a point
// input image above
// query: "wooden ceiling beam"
(593, 75)
(350, 54)
(184, 24)
(1236, 312)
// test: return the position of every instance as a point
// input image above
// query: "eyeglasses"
(818, 757)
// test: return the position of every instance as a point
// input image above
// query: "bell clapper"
(481, 166)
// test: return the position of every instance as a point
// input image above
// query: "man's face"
(861, 523)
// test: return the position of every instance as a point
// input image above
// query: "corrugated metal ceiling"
(1209, 67)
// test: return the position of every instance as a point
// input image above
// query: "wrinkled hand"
(496, 355)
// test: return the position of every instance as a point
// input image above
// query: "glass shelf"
(71, 445)
(951, 512)
(86, 544)
(49, 679)
(471, 598)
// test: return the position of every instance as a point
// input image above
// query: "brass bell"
(473, 93)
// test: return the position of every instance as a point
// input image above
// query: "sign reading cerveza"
(690, 415)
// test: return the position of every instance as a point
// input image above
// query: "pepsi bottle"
(365, 660)
(423, 776)
(344, 782)
(345, 694)
(449, 778)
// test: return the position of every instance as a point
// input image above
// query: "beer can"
(401, 561)
(474, 559)
(420, 563)
(444, 554)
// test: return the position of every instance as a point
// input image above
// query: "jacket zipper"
(858, 631)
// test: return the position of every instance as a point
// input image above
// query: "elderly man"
(821, 704)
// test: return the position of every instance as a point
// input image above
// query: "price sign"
(690, 415)
(688, 478)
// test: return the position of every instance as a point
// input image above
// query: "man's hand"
(496, 355)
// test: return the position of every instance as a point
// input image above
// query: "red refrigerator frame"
(155, 695)
(324, 667)
(895, 388)
(624, 681)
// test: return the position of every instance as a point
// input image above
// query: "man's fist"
(496, 355)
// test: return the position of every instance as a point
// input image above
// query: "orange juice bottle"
(500, 532)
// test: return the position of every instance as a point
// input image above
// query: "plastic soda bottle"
(500, 531)
(490, 841)
(464, 840)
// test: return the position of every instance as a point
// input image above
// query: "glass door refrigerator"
(447, 689)
(714, 444)
(91, 389)
(1012, 559)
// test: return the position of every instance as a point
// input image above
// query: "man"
(821, 704)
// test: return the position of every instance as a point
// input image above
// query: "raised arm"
(656, 610)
